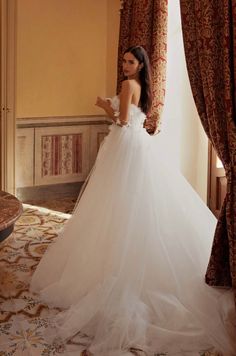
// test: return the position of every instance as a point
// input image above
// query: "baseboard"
(53, 191)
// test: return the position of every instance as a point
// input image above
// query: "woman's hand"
(105, 104)
(102, 103)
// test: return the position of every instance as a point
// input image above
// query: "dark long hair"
(145, 77)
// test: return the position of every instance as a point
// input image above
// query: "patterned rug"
(24, 322)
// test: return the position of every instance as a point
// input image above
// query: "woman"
(130, 263)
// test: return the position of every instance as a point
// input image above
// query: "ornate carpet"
(24, 321)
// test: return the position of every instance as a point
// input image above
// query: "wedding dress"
(129, 265)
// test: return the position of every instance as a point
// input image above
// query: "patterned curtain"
(210, 40)
(144, 22)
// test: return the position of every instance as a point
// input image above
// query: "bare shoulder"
(129, 85)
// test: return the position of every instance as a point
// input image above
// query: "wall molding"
(56, 121)
(52, 152)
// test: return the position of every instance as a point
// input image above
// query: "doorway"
(217, 182)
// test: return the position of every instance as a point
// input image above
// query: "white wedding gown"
(129, 265)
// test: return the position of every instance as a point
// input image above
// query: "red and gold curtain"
(144, 22)
(209, 40)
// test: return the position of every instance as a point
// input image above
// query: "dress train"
(129, 265)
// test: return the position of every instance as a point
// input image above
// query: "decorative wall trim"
(56, 150)
(49, 152)
(96, 137)
(62, 121)
(25, 157)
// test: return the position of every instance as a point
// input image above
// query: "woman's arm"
(106, 106)
(125, 101)
(126, 93)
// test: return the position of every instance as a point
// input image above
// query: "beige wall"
(113, 19)
(66, 55)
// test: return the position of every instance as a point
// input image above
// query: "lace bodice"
(136, 116)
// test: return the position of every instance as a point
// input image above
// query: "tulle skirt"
(129, 266)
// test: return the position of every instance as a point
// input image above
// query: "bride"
(128, 268)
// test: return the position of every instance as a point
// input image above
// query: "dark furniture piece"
(10, 210)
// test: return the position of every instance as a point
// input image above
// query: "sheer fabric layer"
(129, 265)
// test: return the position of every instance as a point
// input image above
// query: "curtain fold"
(144, 22)
(209, 35)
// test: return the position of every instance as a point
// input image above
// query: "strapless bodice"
(136, 116)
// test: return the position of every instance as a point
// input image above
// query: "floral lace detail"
(136, 116)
